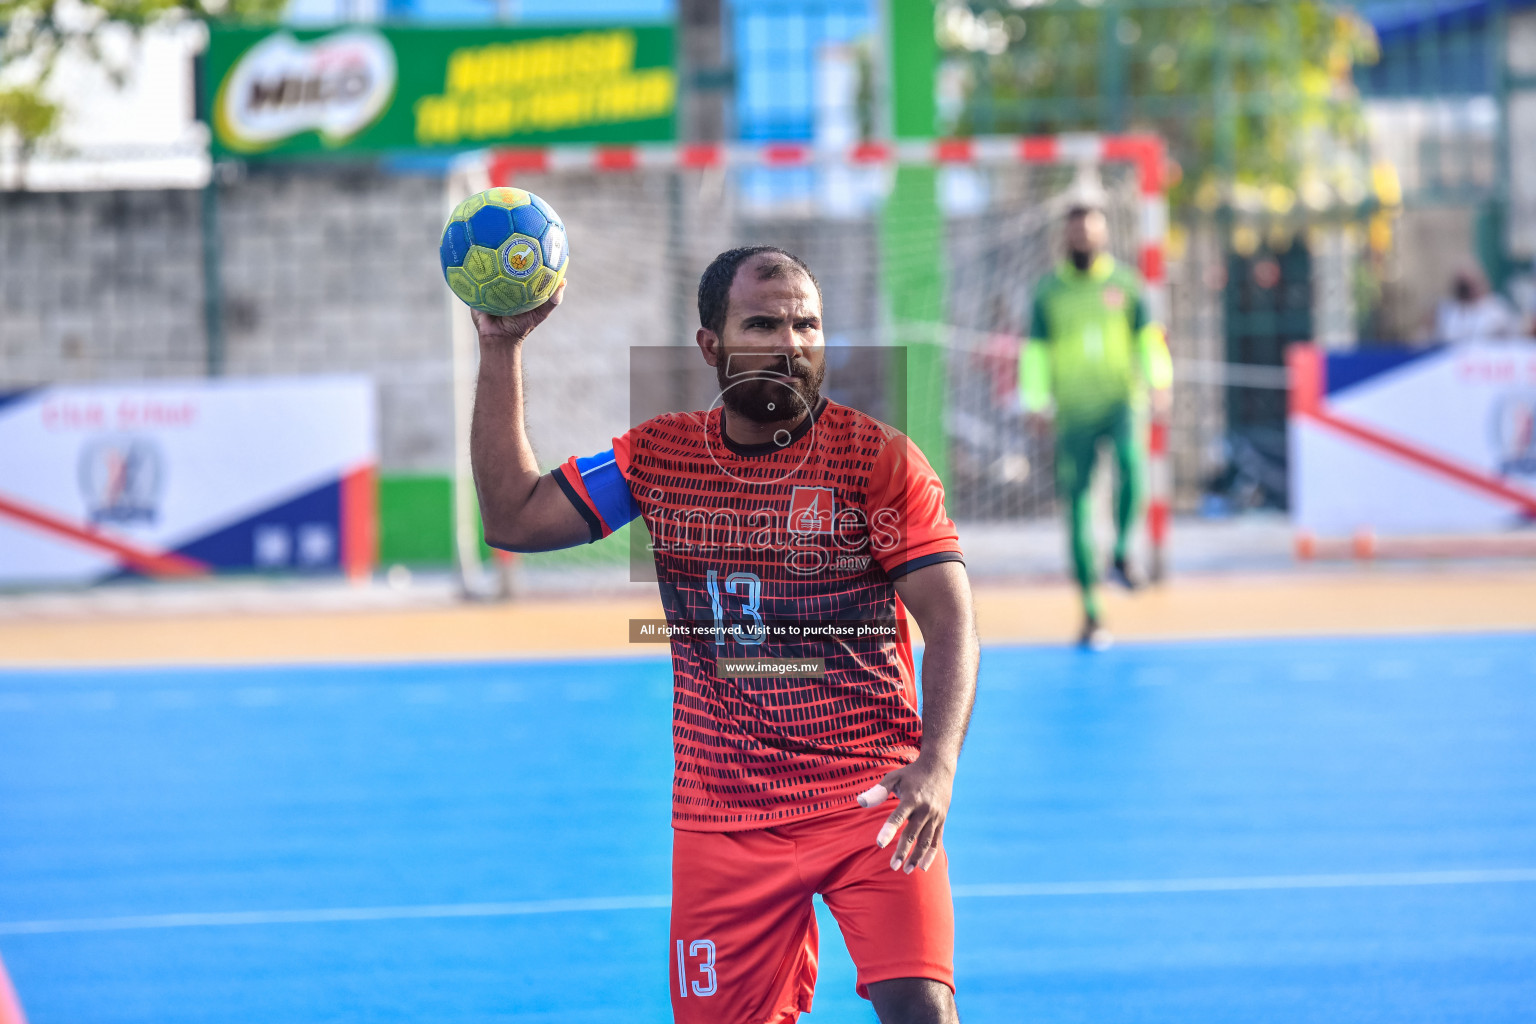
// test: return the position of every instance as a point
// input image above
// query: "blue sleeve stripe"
(609, 490)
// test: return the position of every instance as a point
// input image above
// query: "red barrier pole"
(359, 523)
(1160, 486)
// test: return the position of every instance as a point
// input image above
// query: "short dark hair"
(715, 283)
(1083, 209)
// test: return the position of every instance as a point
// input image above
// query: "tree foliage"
(1255, 97)
(34, 34)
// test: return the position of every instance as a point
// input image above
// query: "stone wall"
(338, 273)
(332, 272)
(335, 270)
(100, 286)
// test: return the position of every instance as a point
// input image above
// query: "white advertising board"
(186, 477)
(1439, 441)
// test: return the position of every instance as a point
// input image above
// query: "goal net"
(932, 249)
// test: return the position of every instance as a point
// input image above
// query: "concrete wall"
(338, 273)
(321, 273)
(99, 286)
(620, 295)
(328, 269)
(335, 270)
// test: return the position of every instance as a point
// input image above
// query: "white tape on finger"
(874, 796)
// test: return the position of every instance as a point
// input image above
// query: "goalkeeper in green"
(1092, 356)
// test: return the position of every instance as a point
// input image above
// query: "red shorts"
(743, 947)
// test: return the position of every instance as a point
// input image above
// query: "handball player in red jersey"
(775, 507)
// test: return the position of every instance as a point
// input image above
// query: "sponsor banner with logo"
(1414, 442)
(186, 478)
(370, 90)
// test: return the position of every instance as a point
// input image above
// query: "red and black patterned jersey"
(755, 548)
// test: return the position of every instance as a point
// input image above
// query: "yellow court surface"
(1346, 601)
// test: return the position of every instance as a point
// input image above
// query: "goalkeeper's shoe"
(1094, 637)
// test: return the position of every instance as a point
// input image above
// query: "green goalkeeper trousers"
(1077, 449)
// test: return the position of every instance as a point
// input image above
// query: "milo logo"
(336, 86)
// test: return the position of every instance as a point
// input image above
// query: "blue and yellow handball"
(504, 251)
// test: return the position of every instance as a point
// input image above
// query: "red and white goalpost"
(644, 219)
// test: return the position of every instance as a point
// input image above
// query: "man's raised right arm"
(521, 509)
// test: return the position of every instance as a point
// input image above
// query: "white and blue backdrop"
(1414, 442)
(186, 478)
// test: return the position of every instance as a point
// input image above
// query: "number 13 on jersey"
(750, 588)
(695, 949)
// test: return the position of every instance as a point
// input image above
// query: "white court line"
(1259, 883)
(416, 913)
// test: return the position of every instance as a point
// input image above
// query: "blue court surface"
(1287, 831)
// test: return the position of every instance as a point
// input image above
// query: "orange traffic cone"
(1306, 546)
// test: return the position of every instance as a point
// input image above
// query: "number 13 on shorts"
(703, 952)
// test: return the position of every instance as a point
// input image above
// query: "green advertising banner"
(362, 89)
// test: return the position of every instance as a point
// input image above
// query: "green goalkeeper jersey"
(1092, 346)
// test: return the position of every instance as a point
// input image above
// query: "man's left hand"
(924, 788)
